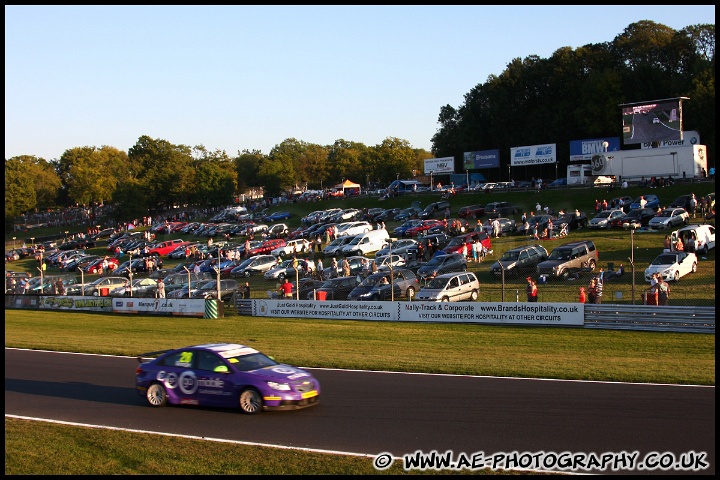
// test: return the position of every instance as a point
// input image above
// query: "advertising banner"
(79, 303)
(585, 149)
(565, 314)
(691, 137)
(533, 155)
(481, 159)
(193, 307)
(439, 165)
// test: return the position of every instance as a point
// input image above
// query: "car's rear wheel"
(156, 395)
(591, 265)
(694, 267)
(250, 401)
(246, 273)
(474, 295)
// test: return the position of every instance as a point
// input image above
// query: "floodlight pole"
(217, 270)
(502, 271)
(632, 260)
(130, 272)
(186, 269)
(431, 180)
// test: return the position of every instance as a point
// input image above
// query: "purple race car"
(223, 375)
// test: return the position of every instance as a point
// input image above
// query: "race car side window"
(178, 359)
(208, 361)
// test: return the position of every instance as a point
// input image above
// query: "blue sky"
(236, 78)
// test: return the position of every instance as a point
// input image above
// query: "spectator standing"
(599, 289)
(663, 291)
(690, 246)
(582, 298)
(693, 205)
(476, 248)
(531, 290)
(160, 288)
(286, 289)
(592, 291)
(60, 287)
(246, 290)
(345, 268)
(333, 268)
(667, 244)
(679, 247)
(496, 228)
(643, 202)
(319, 269)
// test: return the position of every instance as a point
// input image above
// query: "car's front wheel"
(676, 275)
(694, 267)
(250, 401)
(246, 273)
(445, 299)
(156, 395)
(410, 292)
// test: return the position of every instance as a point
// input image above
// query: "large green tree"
(165, 170)
(91, 174)
(20, 193)
(45, 179)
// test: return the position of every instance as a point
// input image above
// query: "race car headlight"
(279, 386)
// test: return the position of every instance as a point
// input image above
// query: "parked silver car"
(451, 287)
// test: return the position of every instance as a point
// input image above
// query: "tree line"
(574, 94)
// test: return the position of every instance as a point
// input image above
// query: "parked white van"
(451, 287)
(704, 236)
(367, 242)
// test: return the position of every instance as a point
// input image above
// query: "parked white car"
(299, 245)
(669, 218)
(704, 236)
(672, 265)
(451, 287)
(337, 244)
(353, 228)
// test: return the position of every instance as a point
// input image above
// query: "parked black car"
(519, 261)
(500, 209)
(435, 209)
(336, 288)
(404, 283)
(440, 264)
(573, 220)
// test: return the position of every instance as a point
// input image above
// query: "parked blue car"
(652, 202)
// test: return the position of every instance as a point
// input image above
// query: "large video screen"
(655, 121)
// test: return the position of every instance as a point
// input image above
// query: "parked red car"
(267, 246)
(164, 248)
(455, 245)
(423, 227)
(471, 211)
(96, 266)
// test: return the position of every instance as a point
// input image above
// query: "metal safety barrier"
(653, 318)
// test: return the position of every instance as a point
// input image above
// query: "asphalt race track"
(374, 412)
